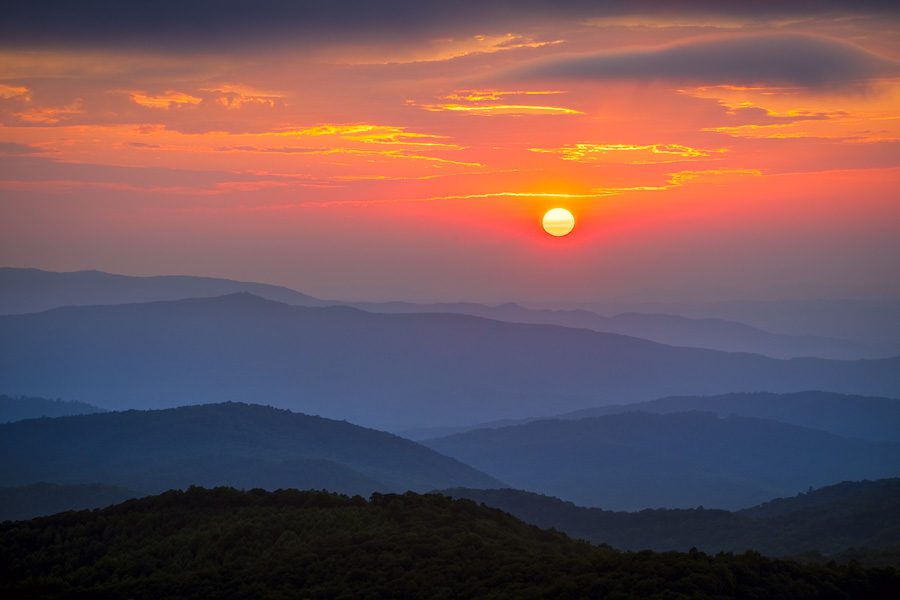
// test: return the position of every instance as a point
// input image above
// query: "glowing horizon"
(415, 167)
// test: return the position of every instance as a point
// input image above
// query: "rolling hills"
(34, 290)
(386, 371)
(17, 408)
(827, 521)
(39, 499)
(633, 461)
(288, 544)
(235, 444)
(846, 415)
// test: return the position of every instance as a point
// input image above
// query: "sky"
(408, 150)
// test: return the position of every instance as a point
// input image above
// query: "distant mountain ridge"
(827, 521)
(233, 444)
(632, 461)
(674, 330)
(17, 408)
(863, 417)
(847, 415)
(40, 499)
(387, 371)
(34, 290)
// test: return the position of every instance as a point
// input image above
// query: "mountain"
(828, 521)
(391, 372)
(675, 330)
(633, 461)
(38, 499)
(288, 544)
(33, 290)
(862, 417)
(17, 408)
(871, 323)
(235, 444)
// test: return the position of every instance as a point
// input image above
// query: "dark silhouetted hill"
(633, 461)
(288, 544)
(387, 371)
(17, 408)
(828, 521)
(38, 499)
(232, 444)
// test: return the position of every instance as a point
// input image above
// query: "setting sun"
(558, 222)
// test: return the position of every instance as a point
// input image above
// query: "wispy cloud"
(629, 153)
(166, 100)
(494, 102)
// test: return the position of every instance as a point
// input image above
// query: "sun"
(558, 222)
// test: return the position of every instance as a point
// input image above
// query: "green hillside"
(288, 544)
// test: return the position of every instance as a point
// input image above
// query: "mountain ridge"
(634, 460)
(375, 369)
(34, 290)
(216, 444)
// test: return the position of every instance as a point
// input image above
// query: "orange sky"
(419, 169)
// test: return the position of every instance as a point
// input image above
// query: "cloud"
(784, 59)
(172, 25)
(649, 154)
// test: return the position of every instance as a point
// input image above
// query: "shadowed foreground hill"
(224, 543)
(632, 461)
(386, 371)
(828, 521)
(233, 444)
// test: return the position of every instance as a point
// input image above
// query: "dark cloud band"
(788, 59)
(179, 24)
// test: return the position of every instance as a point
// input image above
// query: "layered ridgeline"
(288, 544)
(38, 499)
(633, 461)
(828, 522)
(863, 417)
(33, 290)
(17, 408)
(847, 415)
(222, 444)
(387, 371)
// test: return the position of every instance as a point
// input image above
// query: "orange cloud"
(236, 96)
(629, 153)
(165, 101)
(13, 91)
(484, 103)
(51, 114)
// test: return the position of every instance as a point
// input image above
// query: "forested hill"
(242, 445)
(632, 461)
(828, 521)
(287, 544)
